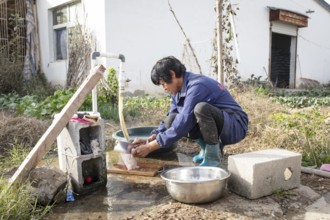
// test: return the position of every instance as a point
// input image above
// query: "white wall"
(146, 31)
(56, 71)
(313, 49)
(53, 69)
(314, 46)
(252, 28)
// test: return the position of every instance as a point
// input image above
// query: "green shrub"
(108, 92)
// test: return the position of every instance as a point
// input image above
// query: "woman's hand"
(144, 149)
(152, 137)
(141, 151)
(141, 141)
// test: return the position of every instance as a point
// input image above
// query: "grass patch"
(274, 125)
(16, 203)
(14, 157)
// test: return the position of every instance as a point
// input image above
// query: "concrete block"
(79, 164)
(260, 173)
(69, 139)
(93, 167)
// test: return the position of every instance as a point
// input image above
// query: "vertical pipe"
(219, 40)
(234, 35)
(121, 101)
(94, 100)
(94, 91)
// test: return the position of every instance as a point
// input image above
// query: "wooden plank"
(289, 17)
(145, 169)
(49, 137)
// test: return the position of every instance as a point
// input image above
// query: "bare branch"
(187, 39)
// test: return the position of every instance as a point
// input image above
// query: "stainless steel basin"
(196, 184)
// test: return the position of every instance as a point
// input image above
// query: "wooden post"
(219, 41)
(48, 138)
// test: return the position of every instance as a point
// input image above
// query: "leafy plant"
(108, 93)
(309, 133)
(9, 101)
(305, 98)
(31, 106)
(304, 101)
(134, 105)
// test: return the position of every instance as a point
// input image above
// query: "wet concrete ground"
(123, 195)
(139, 197)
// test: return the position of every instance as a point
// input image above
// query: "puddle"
(123, 196)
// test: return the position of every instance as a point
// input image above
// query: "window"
(64, 18)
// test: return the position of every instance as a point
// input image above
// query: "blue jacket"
(198, 88)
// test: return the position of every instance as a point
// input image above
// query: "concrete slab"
(318, 210)
(261, 173)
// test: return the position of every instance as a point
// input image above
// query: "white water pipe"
(121, 80)
(95, 55)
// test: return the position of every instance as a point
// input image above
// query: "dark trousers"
(209, 124)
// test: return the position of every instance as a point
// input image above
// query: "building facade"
(285, 42)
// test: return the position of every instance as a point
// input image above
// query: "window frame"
(65, 25)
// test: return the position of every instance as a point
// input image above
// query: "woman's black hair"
(161, 70)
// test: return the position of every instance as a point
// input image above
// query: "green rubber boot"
(199, 157)
(212, 156)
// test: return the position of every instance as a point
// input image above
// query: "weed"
(14, 157)
(308, 132)
(108, 111)
(283, 193)
(16, 203)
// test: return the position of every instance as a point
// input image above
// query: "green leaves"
(306, 122)
(306, 98)
(108, 92)
(107, 102)
(31, 106)
(309, 128)
(146, 102)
